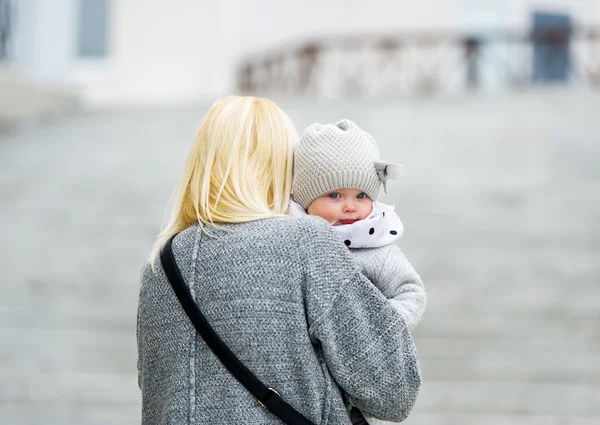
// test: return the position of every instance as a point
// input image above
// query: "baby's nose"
(349, 207)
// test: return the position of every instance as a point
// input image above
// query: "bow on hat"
(387, 171)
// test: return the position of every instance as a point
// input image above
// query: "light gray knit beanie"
(334, 156)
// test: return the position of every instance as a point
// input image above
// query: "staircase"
(23, 101)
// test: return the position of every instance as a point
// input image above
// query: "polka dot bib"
(381, 227)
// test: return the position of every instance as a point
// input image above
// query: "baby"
(337, 176)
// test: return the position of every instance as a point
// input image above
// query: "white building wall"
(43, 36)
(183, 50)
(272, 23)
(158, 51)
(166, 52)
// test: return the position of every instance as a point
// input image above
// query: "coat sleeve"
(365, 342)
(400, 283)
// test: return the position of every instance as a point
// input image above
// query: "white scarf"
(381, 227)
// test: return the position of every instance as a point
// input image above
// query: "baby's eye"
(334, 195)
(361, 195)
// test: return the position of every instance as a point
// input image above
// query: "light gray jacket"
(372, 242)
(287, 298)
(390, 271)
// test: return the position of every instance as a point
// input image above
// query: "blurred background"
(492, 107)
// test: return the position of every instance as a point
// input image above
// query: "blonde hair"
(239, 168)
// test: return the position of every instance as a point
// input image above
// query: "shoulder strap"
(267, 397)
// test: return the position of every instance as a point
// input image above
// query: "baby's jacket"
(372, 241)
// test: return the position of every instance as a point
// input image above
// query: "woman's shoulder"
(308, 223)
(307, 229)
(284, 227)
(304, 236)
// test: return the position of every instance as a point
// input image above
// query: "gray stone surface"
(23, 101)
(499, 200)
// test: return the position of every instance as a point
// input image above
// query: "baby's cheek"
(368, 211)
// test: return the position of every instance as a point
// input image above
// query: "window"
(551, 44)
(92, 32)
(5, 28)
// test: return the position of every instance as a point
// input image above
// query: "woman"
(281, 292)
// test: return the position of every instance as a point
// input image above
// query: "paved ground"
(500, 201)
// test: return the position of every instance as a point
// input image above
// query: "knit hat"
(334, 156)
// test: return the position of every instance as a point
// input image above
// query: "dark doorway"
(5, 28)
(551, 34)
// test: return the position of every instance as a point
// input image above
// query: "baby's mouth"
(347, 220)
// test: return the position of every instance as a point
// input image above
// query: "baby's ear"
(387, 171)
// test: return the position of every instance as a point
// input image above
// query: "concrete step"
(501, 222)
(23, 101)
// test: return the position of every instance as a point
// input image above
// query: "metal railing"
(383, 65)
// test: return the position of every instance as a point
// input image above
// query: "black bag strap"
(267, 397)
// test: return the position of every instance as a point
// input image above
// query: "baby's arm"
(389, 270)
(400, 283)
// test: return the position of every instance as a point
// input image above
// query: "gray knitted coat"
(286, 297)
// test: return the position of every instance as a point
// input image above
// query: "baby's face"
(342, 206)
